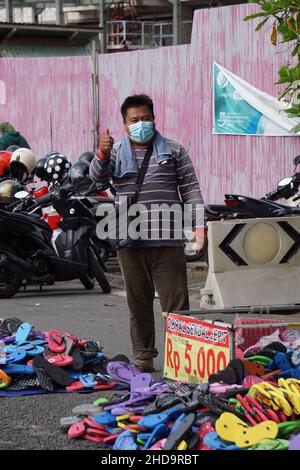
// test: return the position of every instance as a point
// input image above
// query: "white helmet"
(22, 161)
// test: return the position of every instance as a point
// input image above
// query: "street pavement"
(33, 422)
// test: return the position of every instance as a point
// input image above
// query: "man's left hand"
(200, 241)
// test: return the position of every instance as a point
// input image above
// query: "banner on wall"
(240, 108)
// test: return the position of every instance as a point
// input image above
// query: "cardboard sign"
(194, 349)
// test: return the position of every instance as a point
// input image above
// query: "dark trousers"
(144, 270)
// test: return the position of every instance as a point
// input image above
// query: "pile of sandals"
(48, 361)
(252, 404)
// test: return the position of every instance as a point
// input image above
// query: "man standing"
(150, 263)
(10, 137)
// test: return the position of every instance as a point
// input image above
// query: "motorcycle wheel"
(10, 282)
(96, 269)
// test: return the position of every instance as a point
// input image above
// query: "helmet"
(12, 148)
(8, 189)
(79, 174)
(40, 171)
(87, 156)
(57, 166)
(5, 157)
(22, 164)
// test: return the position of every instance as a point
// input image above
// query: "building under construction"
(70, 25)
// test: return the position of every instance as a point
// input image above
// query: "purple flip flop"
(122, 372)
(295, 443)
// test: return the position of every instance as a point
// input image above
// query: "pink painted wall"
(180, 81)
(49, 100)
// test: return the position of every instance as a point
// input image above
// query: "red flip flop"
(60, 360)
(92, 438)
(75, 387)
(55, 342)
(90, 422)
(77, 430)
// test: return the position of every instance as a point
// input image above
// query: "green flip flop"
(288, 427)
(272, 444)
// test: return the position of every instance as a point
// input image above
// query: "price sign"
(194, 349)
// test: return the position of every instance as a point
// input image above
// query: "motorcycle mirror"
(297, 160)
(284, 182)
(21, 194)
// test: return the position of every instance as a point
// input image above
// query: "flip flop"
(78, 361)
(283, 361)
(231, 429)
(44, 380)
(13, 358)
(60, 360)
(77, 429)
(125, 441)
(88, 380)
(105, 418)
(67, 422)
(23, 332)
(31, 349)
(140, 382)
(159, 432)
(70, 343)
(101, 401)
(151, 421)
(238, 366)
(295, 443)
(270, 444)
(86, 409)
(121, 371)
(213, 441)
(9, 326)
(177, 435)
(55, 342)
(227, 376)
(159, 445)
(5, 380)
(13, 369)
(58, 375)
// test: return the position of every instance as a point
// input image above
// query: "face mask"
(141, 131)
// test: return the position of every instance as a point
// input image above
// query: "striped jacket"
(172, 183)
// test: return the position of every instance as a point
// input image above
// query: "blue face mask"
(141, 131)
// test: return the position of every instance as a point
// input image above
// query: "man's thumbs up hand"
(106, 143)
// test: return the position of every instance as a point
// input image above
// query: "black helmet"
(57, 166)
(87, 156)
(12, 148)
(79, 175)
(8, 189)
(40, 171)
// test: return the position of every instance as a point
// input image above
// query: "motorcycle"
(240, 206)
(32, 253)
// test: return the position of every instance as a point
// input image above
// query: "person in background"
(9, 136)
(150, 264)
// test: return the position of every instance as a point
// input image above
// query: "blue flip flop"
(151, 421)
(12, 369)
(29, 348)
(88, 380)
(91, 360)
(213, 441)
(14, 357)
(23, 332)
(126, 441)
(105, 418)
(159, 432)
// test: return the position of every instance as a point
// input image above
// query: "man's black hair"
(135, 101)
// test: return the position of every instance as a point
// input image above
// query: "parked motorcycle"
(32, 253)
(240, 206)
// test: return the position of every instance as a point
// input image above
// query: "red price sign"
(194, 349)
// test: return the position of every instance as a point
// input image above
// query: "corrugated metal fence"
(49, 100)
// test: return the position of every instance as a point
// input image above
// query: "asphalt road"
(33, 422)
